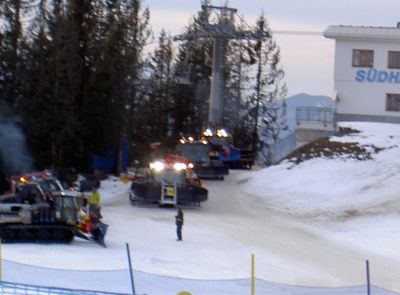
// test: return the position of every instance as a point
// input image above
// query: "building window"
(393, 102)
(394, 60)
(363, 58)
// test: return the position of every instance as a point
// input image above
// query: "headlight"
(180, 166)
(222, 133)
(191, 166)
(208, 132)
(158, 166)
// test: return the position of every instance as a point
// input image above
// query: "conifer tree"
(238, 83)
(11, 42)
(69, 34)
(271, 91)
(113, 91)
(137, 35)
(160, 100)
(194, 64)
(37, 105)
(266, 106)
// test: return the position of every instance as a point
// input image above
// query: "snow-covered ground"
(311, 224)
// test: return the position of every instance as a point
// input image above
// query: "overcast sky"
(307, 60)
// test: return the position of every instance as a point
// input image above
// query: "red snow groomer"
(44, 179)
(169, 181)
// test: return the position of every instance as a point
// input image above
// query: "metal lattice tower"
(222, 29)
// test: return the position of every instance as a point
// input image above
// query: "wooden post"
(368, 279)
(252, 275)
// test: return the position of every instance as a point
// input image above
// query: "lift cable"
(289, 32)
(283, 32)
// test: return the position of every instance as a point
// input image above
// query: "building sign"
(377, 76)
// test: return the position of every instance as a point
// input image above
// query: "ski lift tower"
(219, 25)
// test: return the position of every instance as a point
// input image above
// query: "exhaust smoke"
(14, 155)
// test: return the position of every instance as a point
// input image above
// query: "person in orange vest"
(86, 224)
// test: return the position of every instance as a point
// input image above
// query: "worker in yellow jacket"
(94, 202)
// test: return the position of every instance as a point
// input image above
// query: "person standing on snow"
(179, 224)
(94, 202)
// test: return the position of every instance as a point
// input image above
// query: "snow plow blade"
(145, 192)
(150, 192)
(191, 195)
(97, 235)
(210, 172)
(215, 169)
(100, 233)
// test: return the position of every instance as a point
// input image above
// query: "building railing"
(321, 115)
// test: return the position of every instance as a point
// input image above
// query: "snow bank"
(336, 187)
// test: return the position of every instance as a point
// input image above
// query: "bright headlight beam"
(158, 166)
(180, 166)
(208, 132)
(222, 133)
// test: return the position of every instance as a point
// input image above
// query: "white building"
(366, 73)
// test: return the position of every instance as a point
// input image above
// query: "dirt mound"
(324, 147)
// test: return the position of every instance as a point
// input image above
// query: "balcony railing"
(325, 116)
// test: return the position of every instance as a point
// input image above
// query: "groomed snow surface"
(312, 224)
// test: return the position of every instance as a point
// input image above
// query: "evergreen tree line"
(80, 77)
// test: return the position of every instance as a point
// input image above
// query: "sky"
(313, 225)
(307, 60)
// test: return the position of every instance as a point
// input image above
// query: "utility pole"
(214, 114)
(219, 31)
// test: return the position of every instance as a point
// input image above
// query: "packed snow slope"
(337, 178)
(311, 220)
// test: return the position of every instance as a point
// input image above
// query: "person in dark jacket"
(179, 224)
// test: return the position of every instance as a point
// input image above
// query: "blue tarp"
(233, 154)
(108, 159)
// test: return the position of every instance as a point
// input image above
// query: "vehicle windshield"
(195, 152)
(29, 193)
(171, 176)
(215, 140)
(51, 185)
(66, 208)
